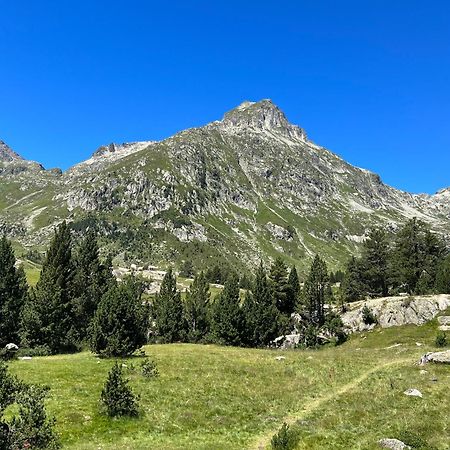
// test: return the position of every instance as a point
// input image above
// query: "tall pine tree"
(49, 313)
(196, 308)
(261, 313)
(442, 284)
(228, 324)
(293, 290)
(375, 257)
(279, 280)
(168, 310)
(353, 286)
(91, 280)
(316, 291)
(13, 293)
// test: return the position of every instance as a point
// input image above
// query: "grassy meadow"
(211, 397)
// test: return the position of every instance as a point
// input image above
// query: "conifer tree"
(91, 280)
(316, 291)
(196, 308)
(417, 250)
(120, 323)
(353, 287)
(375, 256)
(279, 280)
(168, 310)
(228, 323)
(442, 284)
(49, 314)
(13, 293)
(261, 313)
(293, 290)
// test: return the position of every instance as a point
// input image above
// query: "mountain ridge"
(248, 186)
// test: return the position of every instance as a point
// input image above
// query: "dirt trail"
(308, 408)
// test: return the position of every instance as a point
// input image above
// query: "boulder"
(393, 444)
(436, 357)
(443, 320)
(396, 311)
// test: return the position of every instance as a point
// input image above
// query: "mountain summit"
(264, 116)
(246, 187)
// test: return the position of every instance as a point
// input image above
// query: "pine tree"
(91, 280)
(168, 310)
(417, 250)
(49, 314)
(374, 262)
(13, 293)
(117, 396)
(316, 291)
(120, 323)
(228, 323)
(353, 287)
(196, 308)
(261, 313)
(293, 290)
(279, 279)
(442, 284)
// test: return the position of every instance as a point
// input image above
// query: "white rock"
(11, 346)
(393, 444)
(25, 358)
(413, 393)
(280, 358)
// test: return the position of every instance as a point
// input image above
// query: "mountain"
(249, 186)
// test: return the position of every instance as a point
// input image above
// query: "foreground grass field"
(210, 397)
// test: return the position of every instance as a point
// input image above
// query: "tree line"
(414, 261)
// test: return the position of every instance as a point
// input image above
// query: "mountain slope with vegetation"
(249, 186)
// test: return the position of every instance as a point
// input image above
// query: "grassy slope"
(210, 397)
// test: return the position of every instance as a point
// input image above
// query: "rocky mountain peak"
(262, 116)
(7, 154)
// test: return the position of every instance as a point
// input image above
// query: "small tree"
(120, 323)
(285, 439)
(441, 339)
(117, 396)
(367, 316)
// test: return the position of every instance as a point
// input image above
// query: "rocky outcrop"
(396, 311)
(393, 444)
(436, 357)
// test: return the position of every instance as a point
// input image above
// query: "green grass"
(210, 397)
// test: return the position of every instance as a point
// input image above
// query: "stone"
(443, 320)
(413, 393)
(11, 346)
(393, 444)
(436, 357)
(280, 358)
(25, 358)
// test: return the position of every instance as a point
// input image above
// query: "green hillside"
(210, 397)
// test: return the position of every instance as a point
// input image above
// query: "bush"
(40, 350)
(368, 316)
(441, 339)
(149, 369)
(117, 396)
(285, 439)
(414, 441)
(32, 428)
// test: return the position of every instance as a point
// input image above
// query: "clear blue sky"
(369, 80)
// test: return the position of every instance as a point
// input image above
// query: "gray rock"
(396, 311)
(443, 320)
(436, 357)
(413, 393)
(393, 444)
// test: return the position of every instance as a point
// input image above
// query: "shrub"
(414, 441)
(368, 316)
(149, 369)
(441, 339)
(32, 428)
(286, 438)
(117, 396)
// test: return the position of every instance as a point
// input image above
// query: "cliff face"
(249, 186)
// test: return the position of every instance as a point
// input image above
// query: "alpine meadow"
(235, 285)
